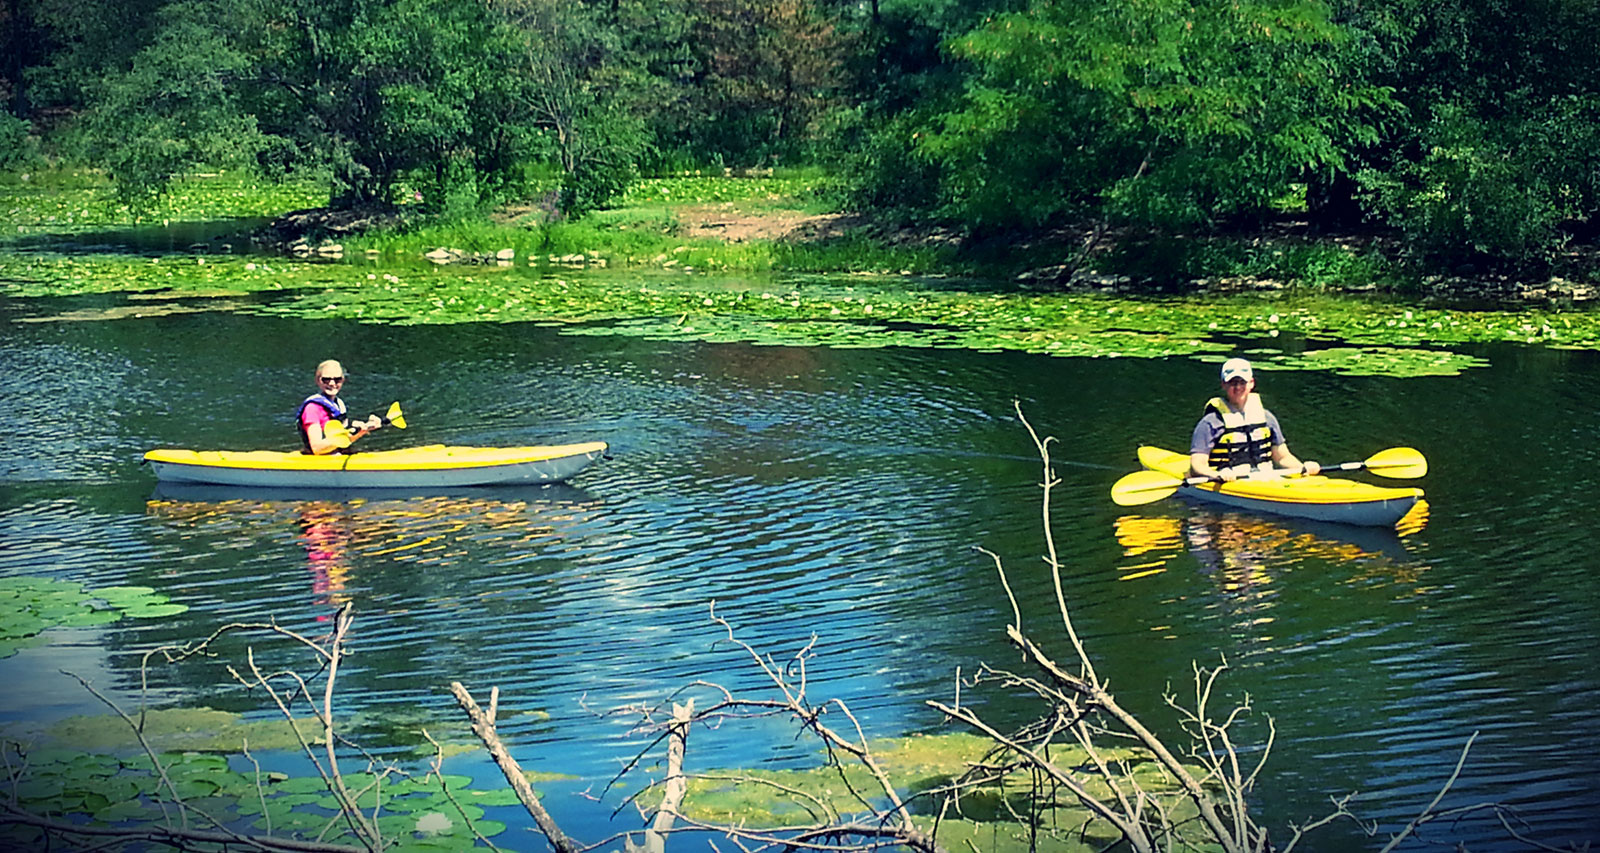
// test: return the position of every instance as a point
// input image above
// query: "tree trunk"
(15, 51)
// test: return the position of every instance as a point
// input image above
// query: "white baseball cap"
(1237, 368)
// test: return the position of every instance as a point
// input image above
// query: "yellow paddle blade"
(393, 416)
(1400, 462)
(336, 432)
(1142, 487)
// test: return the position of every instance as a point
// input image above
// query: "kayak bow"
(1318, 498)
(432, 466)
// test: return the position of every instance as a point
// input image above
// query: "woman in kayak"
(325, 407)
(1238, 435)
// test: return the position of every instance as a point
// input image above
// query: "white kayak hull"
(1380, 512)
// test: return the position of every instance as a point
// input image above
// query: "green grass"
(786, 191)
(1299, 261)
(856, 253)
(642, 229)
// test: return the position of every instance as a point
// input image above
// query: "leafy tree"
(902, 79)
(369, 92)
(768, 70)
(176, 105)
(1495, 160)
(1493, 190)
(379, 91)
(62, 51)
(14, 145)
(1161, 113)
(578, 95)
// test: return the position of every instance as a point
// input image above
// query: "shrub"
(16, 143)
(1476, 192)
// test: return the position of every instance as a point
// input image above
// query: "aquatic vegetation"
(1372, 361)
(181, 729)
(127, 771)
(177, 730)
(74, 200)
(1340, 334)
(919, 764)
(29, 606)
(422, 812)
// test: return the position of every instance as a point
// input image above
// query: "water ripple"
(833, 499)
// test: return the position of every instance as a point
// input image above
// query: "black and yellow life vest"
(1246, 439)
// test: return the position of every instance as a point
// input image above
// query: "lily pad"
(30, 605)
(1375, 361)
(154, 610)
(124, 594)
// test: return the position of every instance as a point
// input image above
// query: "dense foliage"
(1466, 126)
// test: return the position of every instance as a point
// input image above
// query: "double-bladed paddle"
(340, 435)
(1142, 487)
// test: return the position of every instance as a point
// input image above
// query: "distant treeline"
(1470, 128)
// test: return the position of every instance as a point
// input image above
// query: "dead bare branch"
(1428, 812)
(484, 728)
(675, 786)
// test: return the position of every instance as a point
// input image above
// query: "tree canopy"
(1466, 126)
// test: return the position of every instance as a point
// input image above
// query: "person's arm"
(316, 423)
(372, 423)
(317, 437)
(1282, 458)
(1200, 466)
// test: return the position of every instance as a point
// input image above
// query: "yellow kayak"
(432, 466)
(1319, 498)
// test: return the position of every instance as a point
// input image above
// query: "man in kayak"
(323, 408)
(1237, 435)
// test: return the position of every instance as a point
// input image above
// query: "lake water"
(835, 494)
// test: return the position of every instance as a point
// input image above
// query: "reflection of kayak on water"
(1316, 498)
(1163, 536)
(353, 536)
(542, 493)
(433, 466)
(1245, 550)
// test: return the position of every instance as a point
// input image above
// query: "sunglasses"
(335, 379)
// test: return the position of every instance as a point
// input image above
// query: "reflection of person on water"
(325, 533)
(1237, 435)
(323, 408)
(1236, 552)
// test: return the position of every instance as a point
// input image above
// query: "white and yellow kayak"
(432, 466)
(1318, 498)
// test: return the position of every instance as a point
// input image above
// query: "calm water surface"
(835, 494)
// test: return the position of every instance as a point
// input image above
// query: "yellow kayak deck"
(1320, 498)
(430, 465)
